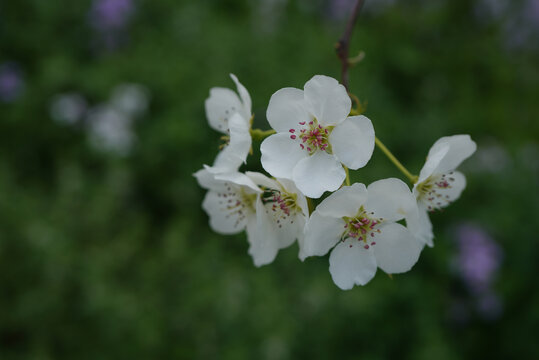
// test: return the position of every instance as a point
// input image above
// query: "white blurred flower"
(131, 99)
(439, 184)
(360, 224)
(68, 108)
(110, 129)
(315, 136)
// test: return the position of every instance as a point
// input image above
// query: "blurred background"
(105, 252)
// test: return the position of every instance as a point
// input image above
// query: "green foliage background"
(107, 257)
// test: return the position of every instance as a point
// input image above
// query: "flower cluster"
(317, 137)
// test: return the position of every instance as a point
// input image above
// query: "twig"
(343, 46)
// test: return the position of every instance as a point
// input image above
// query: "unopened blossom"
(272, 213)
(439, 184)
(315, 136)
(230, 114)
(360, 224)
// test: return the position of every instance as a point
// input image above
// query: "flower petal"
(344, 202)
(396, 249)
(457, 183)
(245, 97)
(327, 100)
(222, 219)
(352, 141)
(390, 199)
(433, 162)
(290, 230)
(235, 153)
(286, 109)
(220, 106)
(318, 173)
(321, 234)
(420, 226)
(351, 264)
(461, 147)
(280, 154)
(206, 178)
(240, 179)
(262, 237)
(262, 180)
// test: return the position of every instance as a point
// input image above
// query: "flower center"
(362, 227)
(312, 136)
(432, 191)
(283, 205)
(236, 202)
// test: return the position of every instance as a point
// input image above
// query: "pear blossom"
(315, 136)
(286, 212)
(230, 114)
(273, 214)
(360, 224)
(439, 184)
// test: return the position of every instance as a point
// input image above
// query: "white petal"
(433, 161)
(390, 199)
(280, 154)
(461, 147)
(262, 180)
(245, 97)
(420, 226)
(457, 183)
(220, 106)
(321, 234)
(235, 153)
(262, 237)
(327, 100)
(206, 179)
(286, 109)
(240, 179)
(344, 202)
(351, 264)
(290, 230)
(396, 249)
(222, 220)
(352, 141)
(318, 173)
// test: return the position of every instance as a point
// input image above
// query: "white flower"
(439, 184)
(315, 136)
(273, 215)
(230, 114)
(286, 212)
(361, 222)
(110, 129)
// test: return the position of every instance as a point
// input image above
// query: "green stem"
(347, 175)
(385, 150)
(258, 134)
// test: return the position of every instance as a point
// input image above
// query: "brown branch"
(343, 46)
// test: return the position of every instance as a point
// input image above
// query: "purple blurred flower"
(478, 258)
(111, 15)
(11, 82)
